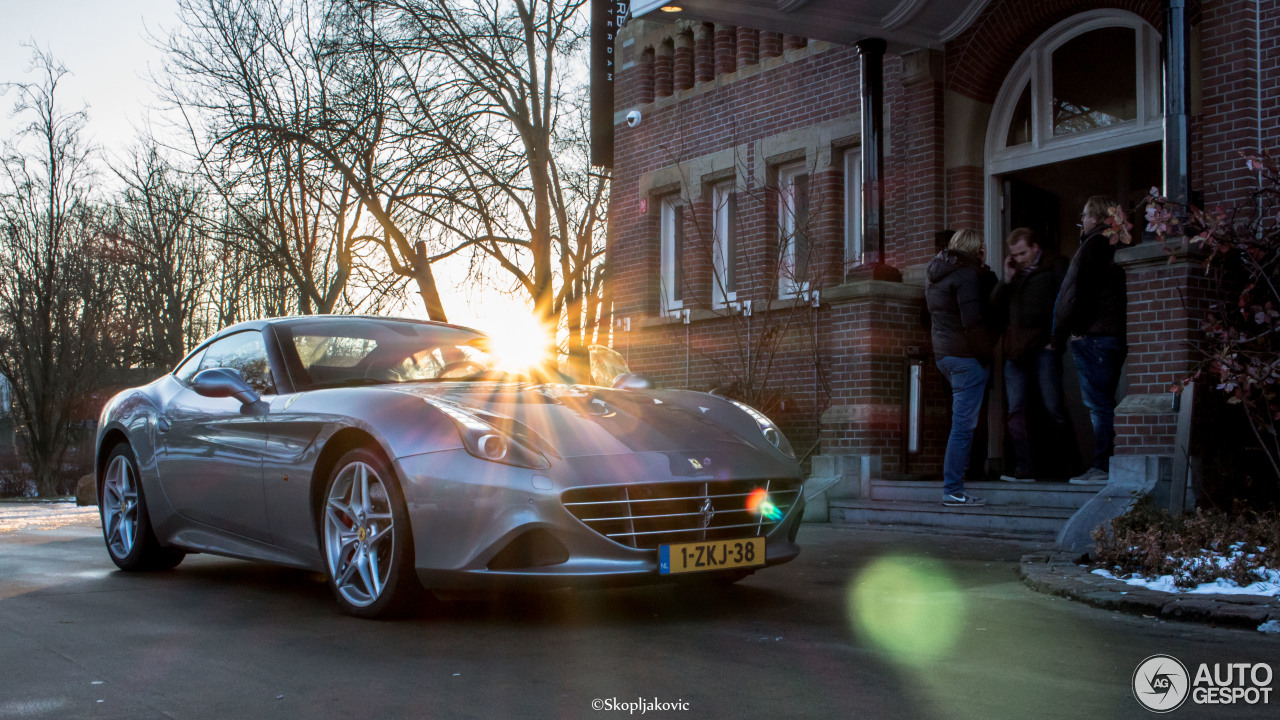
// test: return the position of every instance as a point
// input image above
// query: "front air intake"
(646, 515)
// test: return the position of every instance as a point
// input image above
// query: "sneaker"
(1092, 476)
(962, 499)
(1017, 478)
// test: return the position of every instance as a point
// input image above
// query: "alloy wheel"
(120, 506)
(359, 534)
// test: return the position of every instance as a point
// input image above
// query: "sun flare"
(518, 342)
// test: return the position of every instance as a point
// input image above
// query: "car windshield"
(351, 352)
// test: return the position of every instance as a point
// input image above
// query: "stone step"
(999, 493)
(1041, 523)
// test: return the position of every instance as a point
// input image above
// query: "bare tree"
(294, 110)
(161, 222)
(58, 292)
(496, 87)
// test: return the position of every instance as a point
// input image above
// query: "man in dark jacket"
(1032, 368)
(957, 290)
(1091, 310)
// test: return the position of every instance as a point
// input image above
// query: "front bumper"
(478, 524)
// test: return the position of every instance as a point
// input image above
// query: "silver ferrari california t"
(393, 455)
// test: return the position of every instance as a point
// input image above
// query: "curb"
(1060, 574)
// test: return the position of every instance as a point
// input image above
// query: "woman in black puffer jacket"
(957, 293)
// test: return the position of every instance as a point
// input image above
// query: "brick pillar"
(662, 69)
(704, 54)
(770, 44)
(1167, 300)
(683, 71)
(644, 76)
(794, 42)
(748, 46)
(726, 57)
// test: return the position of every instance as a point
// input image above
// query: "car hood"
(579, 421)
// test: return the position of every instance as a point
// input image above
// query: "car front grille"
(647, 515)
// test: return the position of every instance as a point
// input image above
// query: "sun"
(518, 341)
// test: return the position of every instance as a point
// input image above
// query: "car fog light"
(494, 447)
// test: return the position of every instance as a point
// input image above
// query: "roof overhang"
(909, 23)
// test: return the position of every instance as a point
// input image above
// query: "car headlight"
(770, 431)
(487, 442)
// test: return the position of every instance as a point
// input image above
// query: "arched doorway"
(1078, 115)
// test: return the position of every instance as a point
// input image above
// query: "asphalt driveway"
(864, 624)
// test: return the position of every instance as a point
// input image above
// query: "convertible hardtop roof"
(287, 320)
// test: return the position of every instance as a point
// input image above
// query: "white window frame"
(671, 235)
(788, 287)
(725, 233)
(1035, 67)
(854, 248)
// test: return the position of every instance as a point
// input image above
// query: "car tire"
(126, 523)
(365, 539)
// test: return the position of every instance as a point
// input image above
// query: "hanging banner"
(607, 17)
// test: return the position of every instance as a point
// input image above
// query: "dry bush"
(1152, 543)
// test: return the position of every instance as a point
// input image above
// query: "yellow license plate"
(710, 555)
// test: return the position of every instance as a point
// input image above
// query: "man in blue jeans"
(957, 289)
(1032, 368)
(1091, 309)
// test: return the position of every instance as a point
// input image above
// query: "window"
(1091, 84)
(336, 353)
(245, 353)
(188, 369)
(671, 232)
(793, 230)
(853, 247)
(724, 225)
(1094, 80)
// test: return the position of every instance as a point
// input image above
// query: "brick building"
(745, 232)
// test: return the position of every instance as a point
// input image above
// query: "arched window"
(1090, 84)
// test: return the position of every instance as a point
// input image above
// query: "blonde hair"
(1098, 206)
(967, 241)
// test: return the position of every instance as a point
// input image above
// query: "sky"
(106, 47)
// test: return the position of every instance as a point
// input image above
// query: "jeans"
(1098, 362)
(968, 380)
(1041, 374)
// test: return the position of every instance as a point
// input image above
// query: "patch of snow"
(1270, 626)
(1165, 583)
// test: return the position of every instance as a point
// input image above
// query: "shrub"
(1194, 548)
(1241, 345)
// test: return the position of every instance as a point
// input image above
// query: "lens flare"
(518, 344)
(758, 503)
(909, 608)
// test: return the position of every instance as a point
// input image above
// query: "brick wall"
(980, 57)
(861, 347)
(748, 86)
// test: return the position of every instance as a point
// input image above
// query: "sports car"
(394, 455)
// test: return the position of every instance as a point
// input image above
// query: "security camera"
(633, 118)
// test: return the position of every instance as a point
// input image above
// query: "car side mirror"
(224, 382)
(632, 381)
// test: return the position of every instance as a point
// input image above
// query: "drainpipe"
(1177, 91)
(871, 82)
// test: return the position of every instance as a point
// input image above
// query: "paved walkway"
(1058, 573)
(1053, 573)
